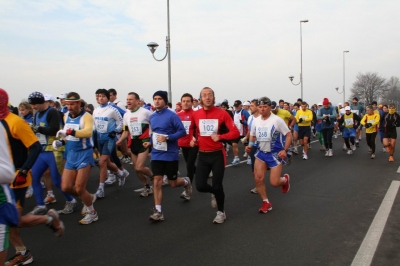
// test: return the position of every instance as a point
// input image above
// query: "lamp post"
(344, 90)
(301, 60)
(153, 46)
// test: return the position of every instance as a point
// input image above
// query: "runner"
(391, 122)
(166, 129)
(304, 117)
(196, 105)
(383, 110)
(24, 149)
(358, 109)
(370, 121)
(350, 121)
(108, 122)
(189, 153)
(209, 121)
(318, 128)
(46, 124)
(63, 108)
(327, 114)
(78, 132)
(295, 129)
(240, 117)
(274, 138)
(136, 125)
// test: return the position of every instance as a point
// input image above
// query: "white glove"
(61, 132)
(57, 144)
(243, 140)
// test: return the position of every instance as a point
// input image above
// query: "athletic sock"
(266, 200)
(21, 250)
(90, 208)
(158, 208)
(101, 185)
(50, 193)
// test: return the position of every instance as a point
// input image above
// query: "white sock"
(90, 208)
(73, 200)
(50, 193)
(158, 208)
(120, 173)
(266, 200)
(101, 185)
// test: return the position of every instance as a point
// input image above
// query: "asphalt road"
(321, 221)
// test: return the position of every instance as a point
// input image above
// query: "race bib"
(42, 138)
(262, 134)
(186, 124)
(304, 117)
(355, 112)
(371, 121)
(161, 146)
(101, 126)
(349, 121)
(135, 128)
(208, 127)
(72, 126)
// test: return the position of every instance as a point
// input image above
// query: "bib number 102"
(208, 128)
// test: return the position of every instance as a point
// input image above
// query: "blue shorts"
(106, 147)
(348, 132)
(271, 159)
(79, 159)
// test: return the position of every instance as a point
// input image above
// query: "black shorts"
(137, 146)
(237, 140)
(304, 132)
(391, 134)
(168, 168)
(19, 195)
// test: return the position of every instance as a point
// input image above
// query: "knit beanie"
(325, 101)
(162, 94)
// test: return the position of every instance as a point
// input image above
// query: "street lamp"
(301, 60)
(153, 46)
(344, 91)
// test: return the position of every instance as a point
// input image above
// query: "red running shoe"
(286, 186)
(266, 207)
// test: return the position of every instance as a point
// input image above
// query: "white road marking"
(398, 170)
(368, 247)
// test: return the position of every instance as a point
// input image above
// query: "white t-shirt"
(270, 134)
(136, 120)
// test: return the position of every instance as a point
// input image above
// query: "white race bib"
(304, 117)
(161, 146)
(186, 124)
(72, 126)
(101, 126)
(264, 139)
(42, 138)
(208, 127)
(371, 121)
(349, 121)
(135, 128)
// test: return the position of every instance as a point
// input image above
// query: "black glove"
(20, 179)
(112, 134)
(301, 120)
(241, 122)
(368, 125)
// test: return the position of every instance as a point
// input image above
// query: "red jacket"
(186, 116)
(224, 119)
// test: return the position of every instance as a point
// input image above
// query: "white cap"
(340, 104)
(347, 108)
(319, 103)
(142, 99)
(49, 97)
(246, 103)
(62, 95)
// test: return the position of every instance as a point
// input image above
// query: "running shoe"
(39, 210)
(188, 188)
(50, 199)
(266, 207)
(165, 181)
(245, 154)
(235, 161)
(126, 160)
(121, 179)
(391, 159)
(254, 191)
(210, 174)
(69, 207)
(220, 218)
(295, 151)
(383, 149)
(89, 218)
(330, 153)
(322, 148)
(84, 209)
(146, 191)
(100, 193)
(335, 136)
(349, 152)
(19, 259)
(353, 147)
(327, 153)
(156, 216)
(305, 157)
(185, 196)
(110, 179)
(248, 161)
(286, 186)
(373, 156)
(29, 192)
(344, 147)
(213, 201)
(56, 224)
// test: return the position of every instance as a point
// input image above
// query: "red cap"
(179, 103)
(325, 101)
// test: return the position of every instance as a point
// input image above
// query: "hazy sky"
(241, 49)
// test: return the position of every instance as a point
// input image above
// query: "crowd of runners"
(48, 143)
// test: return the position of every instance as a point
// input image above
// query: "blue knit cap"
(162, 94)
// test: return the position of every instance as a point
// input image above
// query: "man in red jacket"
(209, 121)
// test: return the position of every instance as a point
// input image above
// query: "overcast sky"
(241, 49)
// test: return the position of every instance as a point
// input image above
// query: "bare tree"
(369, 87)
(393, 90)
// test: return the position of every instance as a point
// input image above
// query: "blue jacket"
(168, 123)
(327, 111)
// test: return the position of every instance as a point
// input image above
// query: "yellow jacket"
(372, 119)
(307, 116)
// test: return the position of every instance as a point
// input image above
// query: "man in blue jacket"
(327, 114)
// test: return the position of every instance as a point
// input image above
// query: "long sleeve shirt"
(307, 117)
(330, 111)
(372, 119)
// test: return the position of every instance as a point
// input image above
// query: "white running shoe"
(335, 136)
(89, 218)
(349, 152)
(305, 157)
(110, 179)
(344, 147)
(235, 161)
(29, 192)
(248, 160)
(220, 218)
(245, 154)
(327, 153)
(165, 181)
(121, 179)
(100, 193)
(330, 153)
(254, 191)
(295, 151)
(353, 147)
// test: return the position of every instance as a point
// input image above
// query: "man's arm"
(233, 131)
(87, 130)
